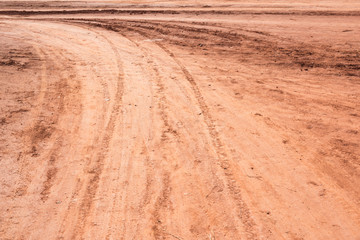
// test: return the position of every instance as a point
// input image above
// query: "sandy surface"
(180, 120)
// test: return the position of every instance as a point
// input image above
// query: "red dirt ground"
(180, 120)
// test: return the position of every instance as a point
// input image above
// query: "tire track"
(96, 168)
(197, 162)
(235, 190)
(44, 129)
(67, 100)
(86, 189)
(44, 137)
(168, 135)
(64, 97)
(36, 111)
(149, 165)
(162, 201)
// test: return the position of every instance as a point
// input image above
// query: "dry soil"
(180, 120)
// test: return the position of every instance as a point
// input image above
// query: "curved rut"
(135, 137)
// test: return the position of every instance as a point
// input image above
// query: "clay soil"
(180, 120)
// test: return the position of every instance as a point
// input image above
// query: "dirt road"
(167, 121)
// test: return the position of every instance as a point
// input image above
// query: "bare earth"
(180, 120)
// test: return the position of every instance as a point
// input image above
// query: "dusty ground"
(177, 120)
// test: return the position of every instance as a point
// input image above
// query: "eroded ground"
(163, 120)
